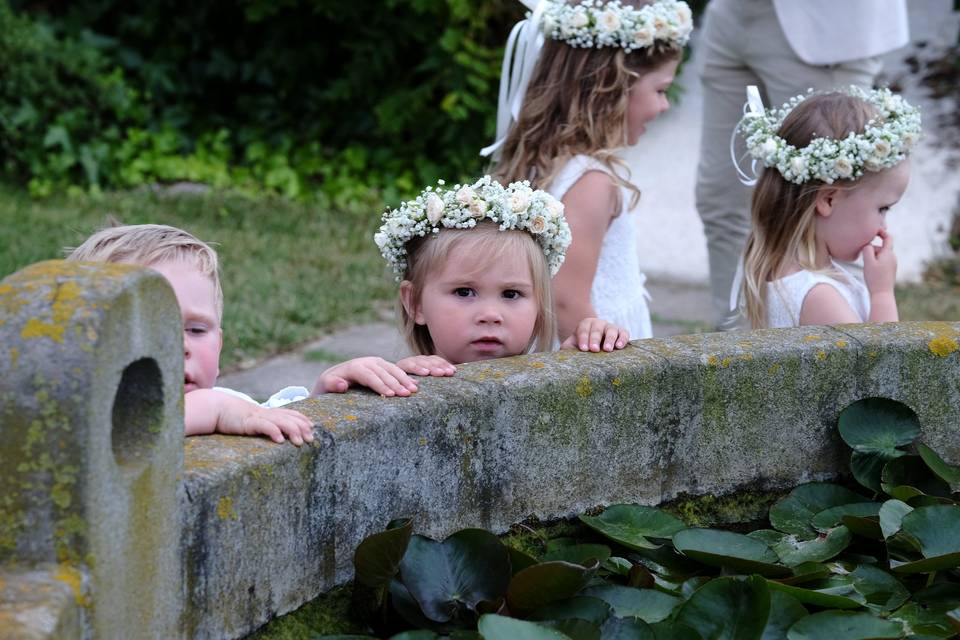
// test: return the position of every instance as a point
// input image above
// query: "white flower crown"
(516, 206)
(595, 23)
(885, 141)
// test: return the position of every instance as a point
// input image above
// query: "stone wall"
(109, 527)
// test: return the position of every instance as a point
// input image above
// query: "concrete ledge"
(248, 529)
(45, 602)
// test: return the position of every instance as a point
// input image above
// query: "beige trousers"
(742, 44)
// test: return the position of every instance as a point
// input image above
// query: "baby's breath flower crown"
(885, 141)
(516, 206)
(596, 23)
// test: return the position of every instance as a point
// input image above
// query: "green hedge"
(291, 96)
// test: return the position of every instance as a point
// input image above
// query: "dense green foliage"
(880, 561)
(293, 96)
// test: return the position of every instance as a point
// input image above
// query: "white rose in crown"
(798, 165)
(579, 18)
(478, 208)
(519, 201)
(683, 14)
(769, 147)
(843, 166)
(609, 21)
(538, 224)
(909, 140)
(434, 208)
(660, 27)
(873, 163)
(555, 207)
(881, 149)
(643, 37)
(465, 195)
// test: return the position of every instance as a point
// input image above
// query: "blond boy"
(190, 266)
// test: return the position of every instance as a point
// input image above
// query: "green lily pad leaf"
(497, 627)
(543, 583)
(519, 560)
(843, 625)
(833, 593)
(794, 513)
(793, 551)
(727, 549)
(829, 518)
(767, 536)
(647, 604)
(947, 472)
(784, 611)
(616, 565)
(937, 530)
(419, 634)
(579, 554)
(670, 630)
(878, 425)
(574, 628)
(626, 629)
(879, 588)
(631, 525)
(806, 572)
(667, 562)
(558, 543)
(923, 621)
(407, 607)
(867, 527)
(867, 469)
(891, 516)
(909, 476)
(728, 609)
(463, 634)
(940, 597)
(690, 586)
(586, 608)
(378, 557)
(446, 578)
(640, 577)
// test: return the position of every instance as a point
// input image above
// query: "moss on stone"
(709, 510)
(326, 614)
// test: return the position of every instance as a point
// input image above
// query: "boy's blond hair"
(148, 245)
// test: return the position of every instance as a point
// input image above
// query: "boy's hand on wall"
(377, 374)
(427, 366)
(594, 334)
(209, 411)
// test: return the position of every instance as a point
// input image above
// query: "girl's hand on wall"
(377, 374)
(594, 334)
(880, 265)
(427, 366)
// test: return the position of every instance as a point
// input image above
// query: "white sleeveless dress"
(617, 294)
(785, 296)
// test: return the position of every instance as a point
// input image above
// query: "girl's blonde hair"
(427, 254)
(576, 103)
(783, 213)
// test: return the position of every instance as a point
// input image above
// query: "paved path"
(677, 309)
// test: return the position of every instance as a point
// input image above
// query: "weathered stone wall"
(261, 528)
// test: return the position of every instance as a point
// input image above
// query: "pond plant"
(877, 561)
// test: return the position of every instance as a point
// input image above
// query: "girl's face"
(849, 219)
(648, 98)
(475, 308)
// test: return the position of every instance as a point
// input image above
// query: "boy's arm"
(209, 411)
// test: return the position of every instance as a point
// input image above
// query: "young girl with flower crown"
(474, 264)
(835, 164)
(602, 75)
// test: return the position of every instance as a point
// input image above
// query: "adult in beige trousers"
(784, 47)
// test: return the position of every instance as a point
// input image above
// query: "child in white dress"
(602, 75)
(835, 164)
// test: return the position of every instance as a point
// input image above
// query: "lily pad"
(667, 562)
(829, 518)
(867, 468)
(794, 513)
(891, 516)
(924, 621)
(878, 425)
(647, 604)
(627, 629)
(574, 628)
(671, 630)
(631, 525)
(727, 549)
(728, 609)
(547, 582)
(446, 578)
(908, 477)
(843, 625)
(866, 527)
(419, 634)
(947, 472)
(586, 608)
(497, 627)
(793, 551)
(520, 560)
(879, 588)
(378, 557)
(937, 529)
(617, 565)
(579, 553)
(784, 611)
(832, 593)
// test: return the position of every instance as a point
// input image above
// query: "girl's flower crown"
(516, 206)
(596, 23)
(885, 141)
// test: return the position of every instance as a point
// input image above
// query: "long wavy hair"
(576, 103)
(782, 213)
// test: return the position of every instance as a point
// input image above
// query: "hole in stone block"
(137, 412)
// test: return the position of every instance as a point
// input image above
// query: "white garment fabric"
(617, 293)
(785, 296)
(823, 32)
(280, 398)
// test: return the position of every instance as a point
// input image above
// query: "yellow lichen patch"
(67, 301)
(712, 361)
(37, 329)
(942, 346)
(72, 578)
(775, 368)
(726, 362)
(811, 338)
(821, 355)
(841, 344)
(746, 357)
(616, 382)
(873, 353)
(14, 356)
(537, 365)
(584, 388)
(422, 441)
(350, 417)
(225, 510)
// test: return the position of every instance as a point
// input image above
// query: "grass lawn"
(290, 270)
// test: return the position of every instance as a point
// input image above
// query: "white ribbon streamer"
(519, 59)
(752, 108)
